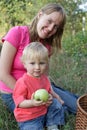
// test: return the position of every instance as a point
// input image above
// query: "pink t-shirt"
(19, 37)
(23, 90)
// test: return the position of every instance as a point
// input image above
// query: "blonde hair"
(55, 40)
(35, 50)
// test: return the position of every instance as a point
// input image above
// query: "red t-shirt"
(23, 90)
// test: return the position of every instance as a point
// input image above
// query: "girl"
(47, 27)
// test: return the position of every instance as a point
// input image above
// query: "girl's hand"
(61, 101)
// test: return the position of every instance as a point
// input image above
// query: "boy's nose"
(37, 66)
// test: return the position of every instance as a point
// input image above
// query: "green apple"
(41, 94)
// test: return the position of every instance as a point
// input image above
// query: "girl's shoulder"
(16, 35)
(20, 29)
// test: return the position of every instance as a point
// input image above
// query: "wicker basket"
(81, 116)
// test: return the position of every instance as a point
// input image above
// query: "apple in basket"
(41, 95)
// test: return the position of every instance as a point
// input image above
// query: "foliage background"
(19, 12)
(69, 69)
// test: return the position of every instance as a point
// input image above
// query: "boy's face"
(36, 67)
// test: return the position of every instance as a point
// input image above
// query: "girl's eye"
(56, 27)
(49, 21)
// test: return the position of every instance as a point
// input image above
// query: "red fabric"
(24, 88)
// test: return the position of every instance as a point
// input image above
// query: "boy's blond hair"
(35, 50)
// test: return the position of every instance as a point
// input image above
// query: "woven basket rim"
(79, 104)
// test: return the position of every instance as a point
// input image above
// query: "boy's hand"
(36, 102)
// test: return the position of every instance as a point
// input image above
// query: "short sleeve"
(19, 93)
(13, 36)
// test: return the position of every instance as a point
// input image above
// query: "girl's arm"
(56, 96)
(6, 59)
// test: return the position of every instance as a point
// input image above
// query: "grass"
(68, 70)
(7, 120)
(69, 73)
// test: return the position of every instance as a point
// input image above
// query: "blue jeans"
(54, 116)
(35, 124)
(69, 99)
(8, 101)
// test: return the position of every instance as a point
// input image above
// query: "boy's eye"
(42, 63)
(32, 63)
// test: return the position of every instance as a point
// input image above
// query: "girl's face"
(36, 67)
(48, 24)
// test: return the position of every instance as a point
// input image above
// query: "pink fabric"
(18, 36)
(23, 90)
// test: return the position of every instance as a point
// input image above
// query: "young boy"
(30, 113)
